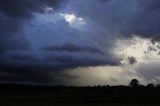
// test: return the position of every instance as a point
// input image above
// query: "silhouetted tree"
(134, 83)
(150, 85)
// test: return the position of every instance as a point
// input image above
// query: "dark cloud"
(120, 18)
(34, 77)
(25, 8)
(53, 60)
(73, 48)
(132, 60)
(31, 49)
(13, 15)
(14, 46)
(9, 27)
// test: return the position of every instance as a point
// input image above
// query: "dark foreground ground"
(23, 95)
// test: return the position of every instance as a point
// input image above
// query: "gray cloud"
(150, 72)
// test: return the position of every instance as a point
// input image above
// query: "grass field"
(78, 96)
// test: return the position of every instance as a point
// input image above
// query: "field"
(23, 95)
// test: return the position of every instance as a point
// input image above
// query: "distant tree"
(134, 83)
(150, 85)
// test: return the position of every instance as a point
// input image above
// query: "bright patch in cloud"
(101, 75)
(142, 49)
(70, 18)
(74, 21)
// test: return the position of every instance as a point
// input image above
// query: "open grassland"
(78, 96)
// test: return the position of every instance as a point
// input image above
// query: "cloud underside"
(41, 37)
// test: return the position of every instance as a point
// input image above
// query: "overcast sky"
(79, 42)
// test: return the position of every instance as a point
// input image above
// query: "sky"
(79, 42)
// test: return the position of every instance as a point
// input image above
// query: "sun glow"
(74, 21)
(70, 18)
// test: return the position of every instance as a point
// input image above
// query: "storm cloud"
(40, 37)
(13, 15)
(25, 8)
(120, 18)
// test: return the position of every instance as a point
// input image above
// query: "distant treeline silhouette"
(133, 84)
